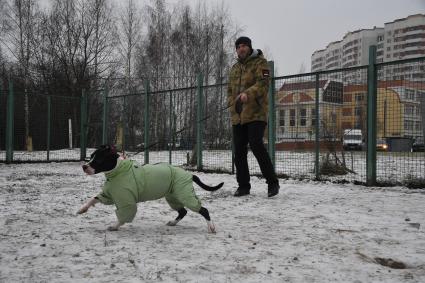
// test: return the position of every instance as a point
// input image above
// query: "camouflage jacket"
(250, 76)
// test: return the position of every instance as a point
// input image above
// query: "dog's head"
(103, 159)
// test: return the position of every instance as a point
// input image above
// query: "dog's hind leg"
(204, 212)
(182, 213)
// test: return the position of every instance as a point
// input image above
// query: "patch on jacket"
(266, 73)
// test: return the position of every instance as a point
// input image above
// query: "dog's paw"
(211, 228)
(172, 223)
(82, 210)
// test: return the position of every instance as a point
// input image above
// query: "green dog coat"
(129, 183)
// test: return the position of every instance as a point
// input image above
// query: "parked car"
(381, 145)
(352, 139)
(418, 144)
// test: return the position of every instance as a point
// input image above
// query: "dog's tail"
(204, 186)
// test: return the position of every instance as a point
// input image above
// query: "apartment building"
(403, 39)
(352, 50)
(400, 39)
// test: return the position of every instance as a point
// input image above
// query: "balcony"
(412, 32)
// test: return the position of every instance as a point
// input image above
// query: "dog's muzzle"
(88, 169)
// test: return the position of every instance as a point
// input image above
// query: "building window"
(418, 126)
(313, 117)
(359, 97)
(408, 125)
(333, 117)
(419, 95)
(292, 117)
(282, 118)
(358, 111)
(409, 110)
(410, 94)
(303, 117)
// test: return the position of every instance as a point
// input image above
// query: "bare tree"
(20, 18)
(129, 35)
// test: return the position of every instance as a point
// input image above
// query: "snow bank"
(311, 232)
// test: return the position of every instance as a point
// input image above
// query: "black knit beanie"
(243, 39)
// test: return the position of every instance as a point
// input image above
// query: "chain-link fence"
(3, 113)
(173, 119)
(39, 127)
(316, 114)
(361, 124)
(400, 120)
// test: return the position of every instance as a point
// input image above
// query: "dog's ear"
(108, 147)
(113, 149)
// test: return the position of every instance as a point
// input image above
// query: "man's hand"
(243, 97)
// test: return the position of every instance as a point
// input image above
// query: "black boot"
(273, 190)
(241, 192)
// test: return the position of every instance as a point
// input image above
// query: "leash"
(177, 132)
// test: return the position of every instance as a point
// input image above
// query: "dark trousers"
(251, 133)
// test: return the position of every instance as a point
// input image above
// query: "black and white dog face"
(103, 159)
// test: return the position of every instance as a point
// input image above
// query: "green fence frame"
(9, 124)
(272, 116)
(83, 126)
(371, 117)
(372, 86)
(199, 124)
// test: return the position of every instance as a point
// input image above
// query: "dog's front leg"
(115, 227)
(87, 205)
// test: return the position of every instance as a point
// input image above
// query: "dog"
(127, 184)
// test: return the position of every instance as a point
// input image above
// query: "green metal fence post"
(170, 142)
(105, 117)
(317, 129)
(371, 117)
(83, 125)
(9, 123)
(199, 115)
(124, 124)
(49, 105)
(272, 116)
(146, 116)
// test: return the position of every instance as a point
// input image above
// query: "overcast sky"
(291, 30)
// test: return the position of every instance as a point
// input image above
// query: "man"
(248, 102)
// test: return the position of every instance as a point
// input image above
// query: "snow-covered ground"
(310, 232)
